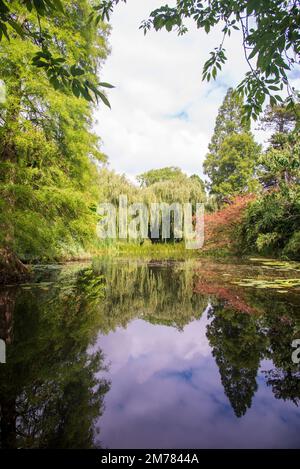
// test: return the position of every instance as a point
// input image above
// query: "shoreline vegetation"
(15, 272)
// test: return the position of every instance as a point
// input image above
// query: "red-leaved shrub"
(220, 227)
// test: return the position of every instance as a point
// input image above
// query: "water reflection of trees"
(246, 326)
(238, 349)
(241, 340)
(283, 326)
(49, 394)
(161, 293)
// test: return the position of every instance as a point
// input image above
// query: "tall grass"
(148, 250)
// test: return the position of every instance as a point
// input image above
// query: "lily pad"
(277, 264)
(279, 284)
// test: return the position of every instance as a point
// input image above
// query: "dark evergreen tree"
(230, 163)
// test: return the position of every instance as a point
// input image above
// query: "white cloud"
(156, 77)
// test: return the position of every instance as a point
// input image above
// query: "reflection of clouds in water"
(166, 392)
(148, 348)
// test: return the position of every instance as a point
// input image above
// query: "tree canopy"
(233, 153)
(38, 22)
(157, 175)
(48, 183)
(272, 222)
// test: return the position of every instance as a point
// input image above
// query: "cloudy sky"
(162, 113)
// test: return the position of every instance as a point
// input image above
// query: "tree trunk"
(12, 270)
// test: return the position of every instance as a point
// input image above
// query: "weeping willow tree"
(179, 189)
(172, 191)
(48, 182)
(112, 185)
(165, 185)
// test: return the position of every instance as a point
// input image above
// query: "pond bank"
(15, 271)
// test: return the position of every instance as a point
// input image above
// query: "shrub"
(272, 222)
(221, 226)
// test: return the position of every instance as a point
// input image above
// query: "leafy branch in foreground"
(270, 38)
(61, 75)
(103, 10)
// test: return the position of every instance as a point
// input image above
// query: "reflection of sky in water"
(166, 393)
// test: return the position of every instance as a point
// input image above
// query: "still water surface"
(146, 354)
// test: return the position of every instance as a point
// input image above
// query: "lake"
(131, 353)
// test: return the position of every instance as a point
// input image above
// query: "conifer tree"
(230, 163)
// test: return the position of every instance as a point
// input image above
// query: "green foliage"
(37, 22)
(166, 185)
(103, 10)
(146, 250)
(269, 35)
(112, 185)
(48, 182)
(292, 248)
(233, 153)
(173, 190)
(159, 175)
(280, 118)
(196, 178)
(272, 223)
(278, 166)
(229, 120)
(171, 185)
(235, 169)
